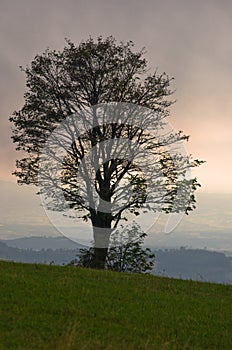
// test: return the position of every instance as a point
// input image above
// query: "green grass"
(57, 308)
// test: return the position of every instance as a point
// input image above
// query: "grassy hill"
(65, 308)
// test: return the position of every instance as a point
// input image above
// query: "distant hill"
(196, 264)
(44, 256)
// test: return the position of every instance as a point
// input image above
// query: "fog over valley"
(208, 226)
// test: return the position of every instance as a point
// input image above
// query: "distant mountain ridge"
(196, 264)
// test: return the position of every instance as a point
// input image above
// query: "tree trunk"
(101, 233)
(99, 260)
(102, 217)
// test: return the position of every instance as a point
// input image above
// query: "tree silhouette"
(94, 129)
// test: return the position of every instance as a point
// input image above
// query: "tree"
(88, 83)
(125, 253)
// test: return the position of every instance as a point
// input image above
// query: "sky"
(189, 40)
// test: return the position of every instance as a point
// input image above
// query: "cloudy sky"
(189, 40)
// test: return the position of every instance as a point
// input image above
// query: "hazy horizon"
(209, 225)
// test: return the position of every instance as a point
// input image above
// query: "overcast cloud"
(190, 40)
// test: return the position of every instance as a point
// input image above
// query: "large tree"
(87, 83)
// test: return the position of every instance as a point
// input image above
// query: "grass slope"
(57, 308)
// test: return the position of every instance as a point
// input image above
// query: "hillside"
(56, 308)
